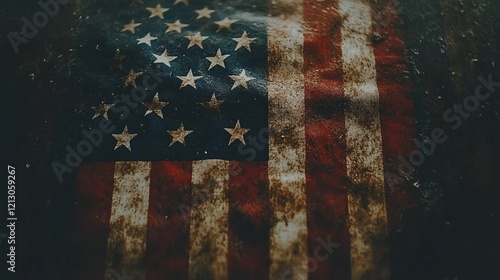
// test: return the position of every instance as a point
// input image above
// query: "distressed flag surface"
(234, 139)
(239, 140)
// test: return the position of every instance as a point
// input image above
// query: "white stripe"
(288, 244)
(209, 220)
(128, 220)
(367, 210)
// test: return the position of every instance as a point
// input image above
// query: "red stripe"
(249, 222)
(93, 196)
(396, 109)
(398, 127)
(325, 142)
(167, 253)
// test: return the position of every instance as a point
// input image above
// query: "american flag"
(240, 139)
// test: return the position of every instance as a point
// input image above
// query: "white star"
(123, 139)
(130, 78)
(204, 13)
(241, 80)
(237, 133)
(189, 79)
(130, 26)
(181, 1)
(155, 106)
(178, 135)
(244, 41)
(213, 104)
(157, 11)
(175, 26)
(146, 40)
(196, 39)
(164, 58)
(225, 23)
(218, 59)
(101, 110)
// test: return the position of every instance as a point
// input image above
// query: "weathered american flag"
(258, 152)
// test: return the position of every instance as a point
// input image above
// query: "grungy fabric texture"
(231, 139)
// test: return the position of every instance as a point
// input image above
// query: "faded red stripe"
(167, 252)
(325, 142)
(249, 221)
(93, 196)
(397, 123)
(396, 107)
